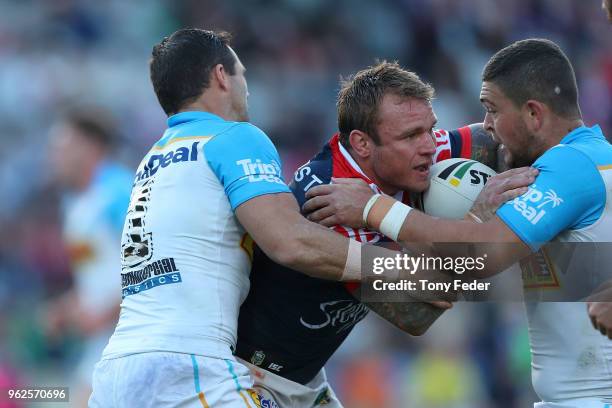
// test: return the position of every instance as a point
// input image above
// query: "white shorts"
(164, 379)
(575, 403)
(92, 351)
(278, 392)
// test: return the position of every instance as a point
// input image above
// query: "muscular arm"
(275, 223)
(494, 238)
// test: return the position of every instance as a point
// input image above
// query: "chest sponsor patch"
(534, 204)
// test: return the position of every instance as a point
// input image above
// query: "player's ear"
(534, 113)
(361, 143)
(220, 76)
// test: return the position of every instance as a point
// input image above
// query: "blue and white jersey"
(570, 201)
(185, 258)
(93, 219)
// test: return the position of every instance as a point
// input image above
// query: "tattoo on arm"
(411, 317)
(484, 148)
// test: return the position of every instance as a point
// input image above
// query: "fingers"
(518, 171)
(322, 189)
(512, 194)
(315, 203)
(330, 221)
(519, 180)
(597, 313)
(349, 181)
(320, 214)
(590, 307)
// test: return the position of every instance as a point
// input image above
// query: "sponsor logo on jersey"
(161, 161)
(538, 272)
(533, 204)
(160, 272)
(340, 314)
(260, 171)
(275, 367)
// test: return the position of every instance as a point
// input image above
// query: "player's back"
(185, 256)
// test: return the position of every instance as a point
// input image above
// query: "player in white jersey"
(206, 187)
(97, 192)
(531, 98)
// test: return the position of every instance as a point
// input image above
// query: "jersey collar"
(191, 116)
(350, 168)
(580, 132)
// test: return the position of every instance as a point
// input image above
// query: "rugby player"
(601, 312)
(290, 324)
(530, 95)
(204, 189)
(96, 192)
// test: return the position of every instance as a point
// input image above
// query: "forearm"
(491, 240)
(283, 234)
(421, 228)
(411, 317)
(453, 238)
(314, 250)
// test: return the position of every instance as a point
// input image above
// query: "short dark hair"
(361, 95)
(96, 125)
(180, 65)
(535, 69)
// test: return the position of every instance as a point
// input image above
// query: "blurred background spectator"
(57, 54)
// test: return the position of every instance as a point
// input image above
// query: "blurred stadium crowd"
(59, 54)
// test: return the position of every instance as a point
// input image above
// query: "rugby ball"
(454, 185)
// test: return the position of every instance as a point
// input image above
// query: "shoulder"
(240, 136)
(566, 160)
(316, 171)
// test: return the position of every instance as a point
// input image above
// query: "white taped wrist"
(394, 219)
(368, 207)
(352, 267)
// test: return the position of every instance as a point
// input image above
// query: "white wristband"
(392, 223)
(368, 207)
(352, 267)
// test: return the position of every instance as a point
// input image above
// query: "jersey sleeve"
(569, 193)
(452, 144)
(246, 163)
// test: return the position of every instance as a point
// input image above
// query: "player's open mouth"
(423, 169)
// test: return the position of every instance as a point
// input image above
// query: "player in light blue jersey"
(96, 192)
(530, 94)
(205, 191)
